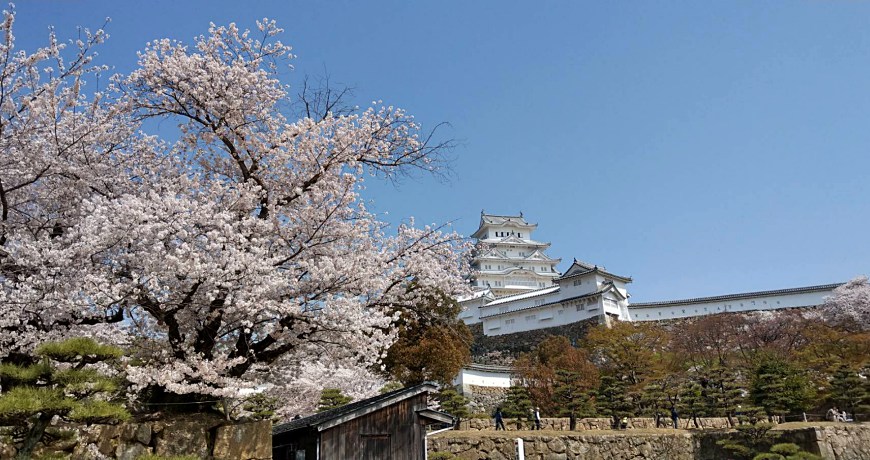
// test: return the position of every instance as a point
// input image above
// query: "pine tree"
(613, 400)
(518, 404)
(571, 396)
(724, 395)
(332, 398)
(36, 393)
(779, 387)
(692, 401)
(848, 391)
(454, 404)
(658, 397)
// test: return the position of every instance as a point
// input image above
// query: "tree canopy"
(225, 254)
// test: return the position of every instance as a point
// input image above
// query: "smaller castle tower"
(507, 260)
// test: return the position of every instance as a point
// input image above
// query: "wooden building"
(389, 426)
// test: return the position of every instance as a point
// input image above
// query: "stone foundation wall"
(677, 446)
(832, 442)
(843, 442)
(484, 400)
(584, 424)
(501, 349)
(203, 437)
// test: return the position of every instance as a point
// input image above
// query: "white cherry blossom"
(231, 254)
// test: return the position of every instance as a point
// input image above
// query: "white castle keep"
(517, 288)
(508, 261)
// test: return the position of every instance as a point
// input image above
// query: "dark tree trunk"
(34, 435)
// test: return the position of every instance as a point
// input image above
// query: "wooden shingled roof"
(328, 419)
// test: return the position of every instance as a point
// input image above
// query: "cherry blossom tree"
(230, 253)
(849, 305)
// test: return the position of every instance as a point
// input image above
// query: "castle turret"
(507, 260)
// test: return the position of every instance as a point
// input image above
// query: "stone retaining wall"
(203, 437)
(501, 349)
(832, 442)
(676, 446)
(484, 400)
(844, 442)
(584, 424)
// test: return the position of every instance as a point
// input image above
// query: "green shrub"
(99, 412)
(78, 349)
(20, 403)
(60, 384)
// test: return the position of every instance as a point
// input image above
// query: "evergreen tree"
(332, 398)
(849, 391)
(613, 400)
(454, 404)
(723, 392)
(518, 404)
(779, 387)
(34, 394)
(572, 396)
(658, 397)
(693, 403)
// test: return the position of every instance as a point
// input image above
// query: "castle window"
(531, 317)
(520, 235)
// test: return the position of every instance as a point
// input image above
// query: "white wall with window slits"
(700, 308)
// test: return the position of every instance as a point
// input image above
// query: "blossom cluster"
(231, 254)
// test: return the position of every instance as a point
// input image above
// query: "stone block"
(143, 434)
(246, 441)
(131, 451)
(183, 437)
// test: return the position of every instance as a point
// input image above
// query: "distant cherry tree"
(849, 305)
(227, 254)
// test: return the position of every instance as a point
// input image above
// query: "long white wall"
(483, 376)
(768, 300)
(565, 304)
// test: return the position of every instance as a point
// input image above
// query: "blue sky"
(702, 148)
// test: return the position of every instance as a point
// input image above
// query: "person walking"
(675, 417)
(538, 418)
(499, 423)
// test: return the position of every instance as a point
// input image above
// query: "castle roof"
(513, 240)
(476, 295)
(606, 287)
(524, 295)
(579, 268)
(488, 220)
